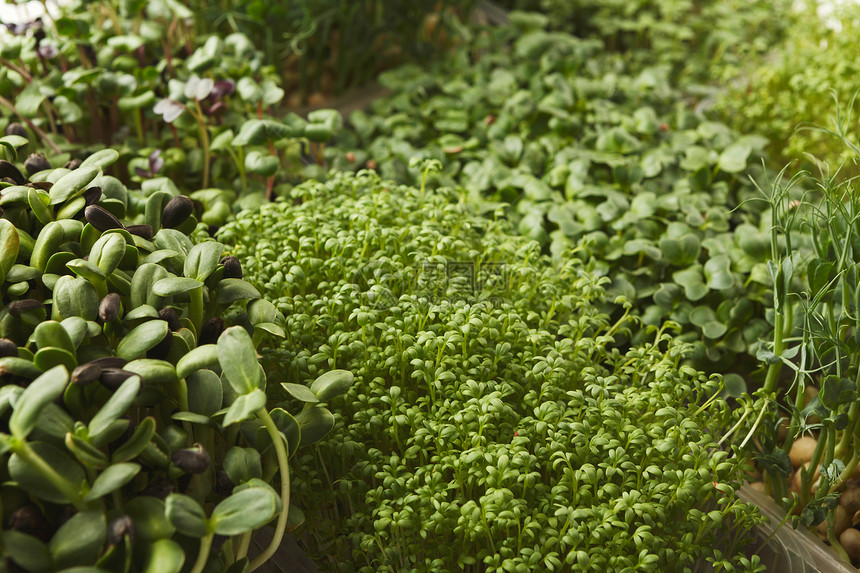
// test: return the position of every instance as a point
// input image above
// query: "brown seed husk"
(9, 170)
(101, 218)
(86, 373)
(193, 460)
(143, 231)
(19, 307)
(35, 163)
(110, 307)
(176, 211)
(8, 348)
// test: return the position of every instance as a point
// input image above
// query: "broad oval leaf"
(77, 329)
(244, 511)
(101, 158)
(116, 406)
(165, 556)
(300, 392)
(173, 286)
(205, 393)
(46, 245)
(331, 384)
(74, 296)
(52, 333)
(47, 358)
(242, 464)
(261, 163)
(231, 290)
(27, 551)
(108, 251)
(113, 478)
(315, 423)
(79, 541)
(244, 407)
(289, 427)
(72, 184)
(142, 338)
(185, 514)
(152, 371)
(238, 358)
(29, 405)
(252, 132)
(149, 518)
(202, 357)
(202, 260)
(33, 482)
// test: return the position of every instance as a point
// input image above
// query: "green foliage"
(180, 108)
(815, 315)
(331, 45)
(589, 155)
(495, 422)
(123, 382)
(799, 86)
(701, 40)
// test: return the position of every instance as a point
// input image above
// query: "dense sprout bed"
(593, 158)
(495, 425)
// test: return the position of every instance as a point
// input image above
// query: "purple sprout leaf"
(47, 51)
(156, 162)
(222, 88)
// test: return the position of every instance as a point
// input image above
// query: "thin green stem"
(281, 526)
(203, 555)
(244, 544)
(137, 114)
(204, 141)
(196, 310)
(36, 129)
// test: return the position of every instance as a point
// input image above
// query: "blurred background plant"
(799, 85)
(327, 46)
(700, 40)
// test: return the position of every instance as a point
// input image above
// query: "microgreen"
(812, 268)
(494, 423)
(598, 157)
(130, 379)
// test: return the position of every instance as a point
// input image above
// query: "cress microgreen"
(496, 422)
